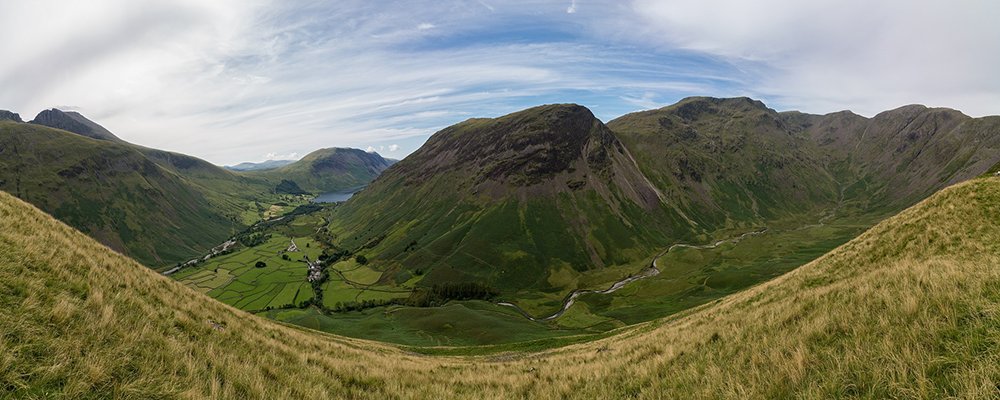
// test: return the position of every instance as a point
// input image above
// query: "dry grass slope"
(910, 309)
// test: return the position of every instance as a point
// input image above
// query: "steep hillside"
(727, 162)
(329, 170)
(525, 201)
(901, 156)
(156, 206)
(909, 309)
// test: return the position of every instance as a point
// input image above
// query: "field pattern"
(235, 280)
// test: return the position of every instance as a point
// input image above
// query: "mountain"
(510, 201)
(730, 160)
(74, 122)
(156, 206)
(329, 170)
(9, 116)
(900, 156)
(727, 162)
(265, 165)
(908, 309)
(539, 199)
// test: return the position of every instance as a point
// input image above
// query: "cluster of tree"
(361, 259)
(439, 294)
(329, 256)
(304, 209)
(411, 246)
(286, 306)
(364, 304)
(434, 296)
(251, 239)
(260, 264)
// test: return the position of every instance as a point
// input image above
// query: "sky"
(251, 80)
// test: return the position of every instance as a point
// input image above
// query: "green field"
(689, 277)
(464, 323)
(234, 279)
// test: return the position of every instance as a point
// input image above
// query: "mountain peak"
(911, 110)
(522, 148)
(9, 116)
(74, 122)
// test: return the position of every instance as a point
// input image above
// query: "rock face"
(9, 116)
(74, 122)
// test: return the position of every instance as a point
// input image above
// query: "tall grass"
(910, 309)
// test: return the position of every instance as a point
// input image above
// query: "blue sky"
(248, 80)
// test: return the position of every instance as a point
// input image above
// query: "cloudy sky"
(249, 80)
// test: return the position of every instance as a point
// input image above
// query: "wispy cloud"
(229, 79)
(276, 156)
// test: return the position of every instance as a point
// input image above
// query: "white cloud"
(425, 26)
(831, 54)
(370, 149)
(230, 78)
(276, 156)
(393, 148)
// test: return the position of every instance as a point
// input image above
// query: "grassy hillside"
(156, 206)
(328, 170)
(908, 309)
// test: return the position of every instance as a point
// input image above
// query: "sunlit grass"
(909, 309)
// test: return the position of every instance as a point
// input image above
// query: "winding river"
(651, 270)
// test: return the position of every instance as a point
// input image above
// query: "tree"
(361, 259)
(260, 264)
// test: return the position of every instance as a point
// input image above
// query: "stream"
(651, 270)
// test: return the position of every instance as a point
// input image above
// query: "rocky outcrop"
(9, 116)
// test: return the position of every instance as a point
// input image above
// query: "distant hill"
(328, 170)
(265, 165)
(156, 206)
(905, 310)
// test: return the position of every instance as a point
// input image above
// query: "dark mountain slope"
(510, 201)
(9, 116)
(74, 122)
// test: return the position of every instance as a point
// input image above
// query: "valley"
(387, 262)
(921, 281)
(499, 200)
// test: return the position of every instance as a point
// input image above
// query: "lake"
(336, 197)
